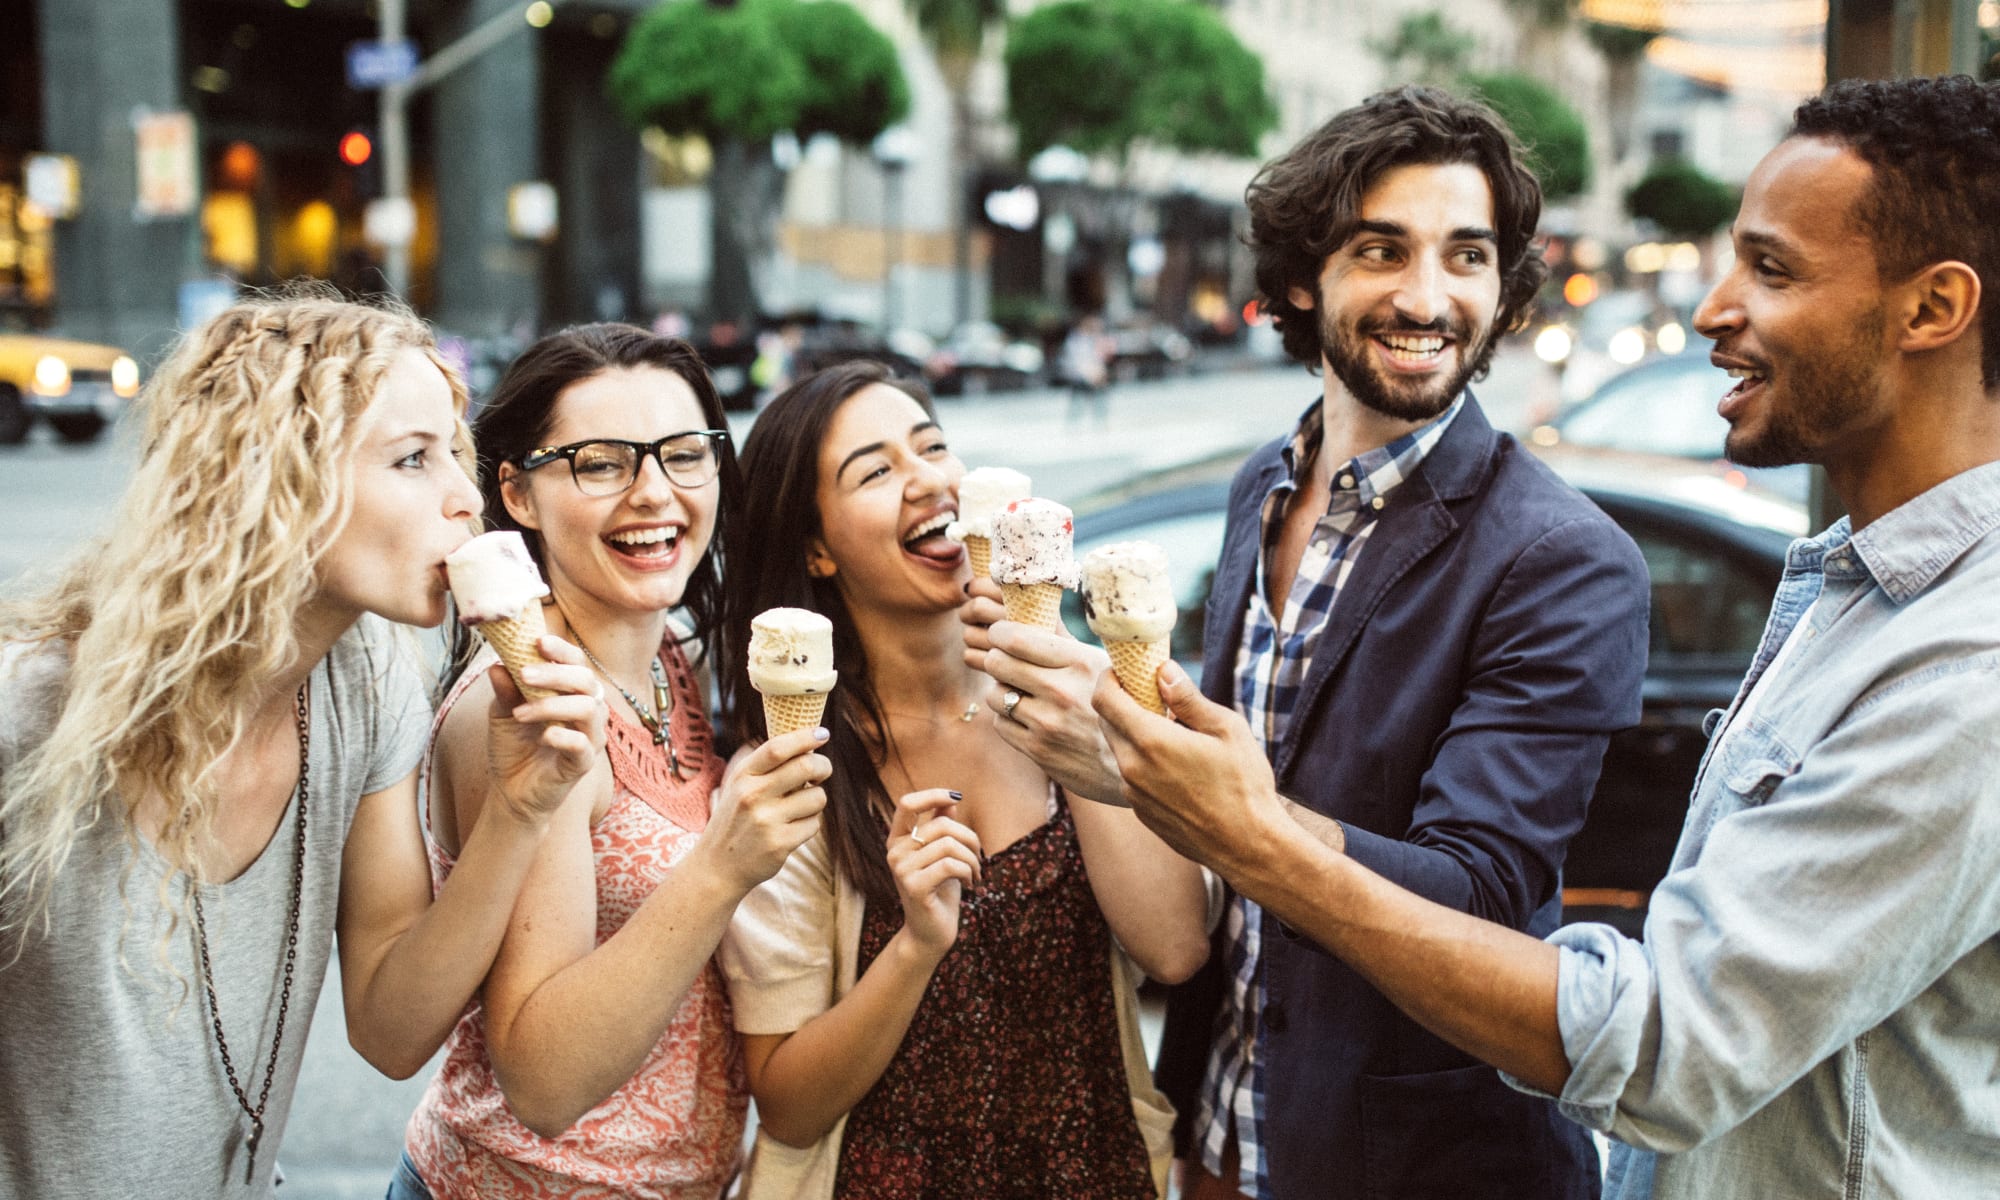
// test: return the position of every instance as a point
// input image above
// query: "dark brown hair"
(1934, 146)
(1305, 204)
(517, 417)
(767, 569)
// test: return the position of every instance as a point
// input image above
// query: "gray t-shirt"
(110, 1080)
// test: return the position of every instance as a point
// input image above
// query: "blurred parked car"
(978, 357)
(1146, 349)
(1713, 576)
(78, 387)
(1664, 409)
(1617, 330)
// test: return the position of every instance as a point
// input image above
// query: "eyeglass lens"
(606, 468)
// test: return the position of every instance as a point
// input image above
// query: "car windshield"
(1661, 409)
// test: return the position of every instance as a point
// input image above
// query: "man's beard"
(1824, 395)
(1351, 359)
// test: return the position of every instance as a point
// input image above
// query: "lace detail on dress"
(643, 767)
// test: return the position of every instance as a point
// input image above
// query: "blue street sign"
(373, 65)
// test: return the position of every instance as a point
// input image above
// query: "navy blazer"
(1490, 640)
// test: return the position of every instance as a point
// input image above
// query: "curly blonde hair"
(171, 618)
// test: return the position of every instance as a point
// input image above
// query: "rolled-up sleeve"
(1830, 892)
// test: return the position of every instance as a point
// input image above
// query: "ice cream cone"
(518, 642)
(979, 552)
(789, 712)
(1034, 603)
(1137, 665)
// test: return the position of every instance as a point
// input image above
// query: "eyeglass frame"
(542, 456)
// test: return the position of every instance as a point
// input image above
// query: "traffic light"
(356, 148)
(357, 153)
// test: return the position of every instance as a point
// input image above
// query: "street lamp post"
(893, 150)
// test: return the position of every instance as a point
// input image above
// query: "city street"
(347, 1122)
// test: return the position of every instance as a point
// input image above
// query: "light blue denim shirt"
(1815, 1010)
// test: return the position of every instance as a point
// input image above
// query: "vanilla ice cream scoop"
(1126, 595)
(981, 493)
(1031, 543)
(493, 578)
(791, 652)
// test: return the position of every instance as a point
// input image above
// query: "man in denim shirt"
(1815, 1010)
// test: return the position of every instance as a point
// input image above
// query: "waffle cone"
(788, 713)
(1034, 603)
(518, 642)
(1137, 665)
(979, 552)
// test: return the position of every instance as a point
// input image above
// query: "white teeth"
(1413, 345)
(933, 525)
(1744, 373)
(645, 537)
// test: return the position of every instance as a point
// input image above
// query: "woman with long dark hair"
(600, 1057)
(937, 992)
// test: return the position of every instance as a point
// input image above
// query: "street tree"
(1101, 76)
(741, 75)
(1425, 49)
(1682, 199)
(955, 31)
(1553, 134)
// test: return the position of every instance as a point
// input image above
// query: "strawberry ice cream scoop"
(1032, 543)
(493, 578)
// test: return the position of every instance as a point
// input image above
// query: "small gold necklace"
(971, 711)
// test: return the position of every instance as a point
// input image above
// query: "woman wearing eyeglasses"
(599, 1057)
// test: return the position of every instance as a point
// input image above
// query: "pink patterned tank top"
(674, 1131)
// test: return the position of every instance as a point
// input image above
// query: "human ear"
(1940, 303)
(1300, 298)
(819, 564)
(514, 494)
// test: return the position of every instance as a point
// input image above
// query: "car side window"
(1705, 604)
(1193, 543)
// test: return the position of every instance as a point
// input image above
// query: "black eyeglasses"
(606, 466)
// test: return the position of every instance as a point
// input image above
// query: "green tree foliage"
(1425, 49)
(1100, 75)
(1558, 145)
(1681, 199)
(740, 75)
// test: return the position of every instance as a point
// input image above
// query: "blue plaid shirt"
(1270, 667)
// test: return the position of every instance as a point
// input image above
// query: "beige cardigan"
(790, 955)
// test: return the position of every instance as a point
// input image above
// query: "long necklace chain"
(656, 719)
(256, 1114)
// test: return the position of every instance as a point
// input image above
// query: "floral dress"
(1010, 1082)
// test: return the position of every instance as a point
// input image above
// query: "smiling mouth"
(1746, 379)
(1412, 349)
(927, 540)
(645, 543)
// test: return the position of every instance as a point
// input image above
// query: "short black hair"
(1934, 146)
(1305, 204)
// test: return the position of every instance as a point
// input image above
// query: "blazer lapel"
(1416, 519)
(1235, 575)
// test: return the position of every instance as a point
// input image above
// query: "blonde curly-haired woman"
(208, 736)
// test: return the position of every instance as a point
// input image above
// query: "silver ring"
(913, 835)
(1008, 703)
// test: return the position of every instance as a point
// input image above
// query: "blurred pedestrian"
(1814, 1007)
(1086, 366)
(938, 992)
(1421, 633)
(208, 736)
(599, 1057)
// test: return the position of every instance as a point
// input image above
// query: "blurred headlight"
(1552, 344)
(1627, 346)
(125, 376)
(51, 376)
(1671, 339)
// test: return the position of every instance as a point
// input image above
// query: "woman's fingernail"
(956, 795)
(821, 735)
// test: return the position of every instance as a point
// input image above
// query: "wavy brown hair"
(1306, 204)
(171, 618)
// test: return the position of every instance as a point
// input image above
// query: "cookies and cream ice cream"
(1126, 594)
(791, 666)
(1032, 543)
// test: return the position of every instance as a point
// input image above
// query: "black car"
(1713, 576)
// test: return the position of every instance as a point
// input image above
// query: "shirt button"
(1274, 1017)
(1377, 503)
(1347, 481)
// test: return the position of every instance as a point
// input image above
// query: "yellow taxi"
(80, 387)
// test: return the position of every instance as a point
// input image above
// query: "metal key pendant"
(250, 1159)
